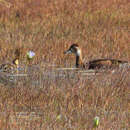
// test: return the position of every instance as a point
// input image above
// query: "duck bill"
(68, 52)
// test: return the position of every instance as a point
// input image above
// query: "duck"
(102, 63)
(10, 67)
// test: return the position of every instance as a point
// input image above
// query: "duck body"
(93, 64)
(10, 67)
(105, 63)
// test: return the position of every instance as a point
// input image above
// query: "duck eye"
(5, 67)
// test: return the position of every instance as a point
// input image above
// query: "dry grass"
(53, 99)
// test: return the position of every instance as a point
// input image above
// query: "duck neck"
(79, 61)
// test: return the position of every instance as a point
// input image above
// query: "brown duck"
(10, 67)
(94, 64)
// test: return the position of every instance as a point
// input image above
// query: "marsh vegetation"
(43, 95)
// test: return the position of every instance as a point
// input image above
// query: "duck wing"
(105, 63)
